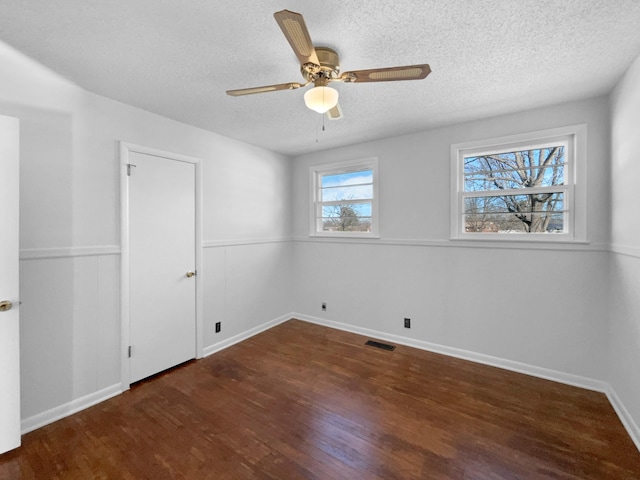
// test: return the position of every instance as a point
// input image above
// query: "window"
(520, 188)
(344, 199)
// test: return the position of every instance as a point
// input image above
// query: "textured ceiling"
(177, 58)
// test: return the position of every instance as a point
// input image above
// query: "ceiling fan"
(321, 66)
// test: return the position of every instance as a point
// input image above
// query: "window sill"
(542, 239)
(359, 236)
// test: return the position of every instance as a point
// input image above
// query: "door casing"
(125, 150)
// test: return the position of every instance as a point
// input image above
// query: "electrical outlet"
(324, 306)
(218, 327)
(407, 323)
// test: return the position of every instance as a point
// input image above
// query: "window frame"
(315, 203)
(574, 188)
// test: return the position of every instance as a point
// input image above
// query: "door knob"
(190, 274)
(5, 305)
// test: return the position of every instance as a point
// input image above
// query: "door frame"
(125, 294)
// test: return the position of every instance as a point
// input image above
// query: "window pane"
(360, 192)
(351, 178)
(347, 186)
(335, 225)
(539, 202)
(541, 222)
(347, 209)
(541, 167)
(348, 217)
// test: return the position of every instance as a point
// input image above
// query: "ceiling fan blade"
(295, 30)
(335, 113)
(266, 88)
(409, 72)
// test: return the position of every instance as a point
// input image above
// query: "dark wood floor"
(304, 401)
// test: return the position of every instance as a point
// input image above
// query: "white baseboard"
(625, 417)
(74, 406)
(216, 347)
(548, 374)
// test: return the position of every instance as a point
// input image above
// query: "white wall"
(70, 223)
(540, 307)
(624, 311)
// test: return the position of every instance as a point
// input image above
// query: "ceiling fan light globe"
(321, 99)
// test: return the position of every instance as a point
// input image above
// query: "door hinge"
(129, 351)
(129, 165)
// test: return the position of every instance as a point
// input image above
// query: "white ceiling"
(177, 58)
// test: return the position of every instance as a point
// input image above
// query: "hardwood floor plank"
(301, 401)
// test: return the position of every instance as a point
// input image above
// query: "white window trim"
(576, 189)
(343, 167)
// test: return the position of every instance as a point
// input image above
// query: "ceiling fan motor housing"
(329, 65)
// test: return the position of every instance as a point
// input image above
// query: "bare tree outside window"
(344, 218)
(515, 191)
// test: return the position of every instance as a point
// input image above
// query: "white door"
(162, 291)
(9, 312)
